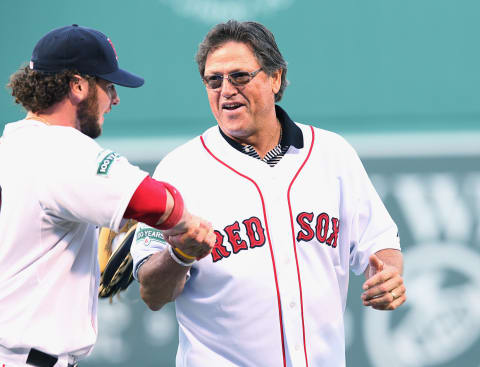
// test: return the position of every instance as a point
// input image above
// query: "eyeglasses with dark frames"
(237, 78)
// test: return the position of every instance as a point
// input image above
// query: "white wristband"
(176, 259)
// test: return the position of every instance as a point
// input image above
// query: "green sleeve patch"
(148, 234)
(106, 162)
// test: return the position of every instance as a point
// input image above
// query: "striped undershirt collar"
(290, 135)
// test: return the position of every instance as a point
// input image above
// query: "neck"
(269, 140)
(60, 114)
(267, 137)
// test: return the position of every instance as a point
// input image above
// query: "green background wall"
(353, 65)
(400, 79)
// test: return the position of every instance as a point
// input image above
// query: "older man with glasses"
(293, 211)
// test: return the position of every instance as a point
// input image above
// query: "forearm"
(161, 280)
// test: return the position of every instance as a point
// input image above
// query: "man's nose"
(228, 89)
(114, 96)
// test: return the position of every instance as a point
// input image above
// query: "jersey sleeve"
(371, 227)
(87, 183)
(146, 242)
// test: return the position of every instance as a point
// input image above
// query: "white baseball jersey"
(273, 291)
(57, 186)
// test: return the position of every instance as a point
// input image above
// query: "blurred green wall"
(400, 79)
(353, 65)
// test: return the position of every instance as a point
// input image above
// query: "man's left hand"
(384, 288)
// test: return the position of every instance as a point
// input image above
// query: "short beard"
(87, 114)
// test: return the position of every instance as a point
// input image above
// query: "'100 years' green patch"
(106, 163)
(151, 233)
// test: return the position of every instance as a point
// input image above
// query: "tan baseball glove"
(115, 261)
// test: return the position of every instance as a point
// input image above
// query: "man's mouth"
(231, 106)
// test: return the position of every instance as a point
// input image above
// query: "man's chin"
(237, 133)
(233, 115)
(97, 135)
(98, 132)
(92, 131)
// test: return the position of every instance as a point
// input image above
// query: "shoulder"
(71, 147)
(183, 156)
(326, 140)
(69, 135)
(49, 143)
(186, 150)
(78, 154)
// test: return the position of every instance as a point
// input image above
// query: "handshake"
(191, 239)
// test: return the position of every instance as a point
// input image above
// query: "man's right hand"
(191, 235)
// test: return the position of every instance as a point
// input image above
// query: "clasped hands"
(193, 236)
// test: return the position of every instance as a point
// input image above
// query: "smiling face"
(246, 113)
(101, 96)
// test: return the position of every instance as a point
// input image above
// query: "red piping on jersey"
(295, 242)
(269, 241)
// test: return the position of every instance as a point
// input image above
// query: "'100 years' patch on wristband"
(147, 235)
(106, 159)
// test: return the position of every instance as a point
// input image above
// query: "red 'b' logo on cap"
(111, 43)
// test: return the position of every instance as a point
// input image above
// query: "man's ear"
(78, 89)
(276, 80)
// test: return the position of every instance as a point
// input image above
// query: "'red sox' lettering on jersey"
(219, 251)
(255, 231)
(255, 234)
(321, 229)
(233, 235)
(254, 237)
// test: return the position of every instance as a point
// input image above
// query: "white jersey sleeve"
(372, 229)
(89, 184)
(146, 242)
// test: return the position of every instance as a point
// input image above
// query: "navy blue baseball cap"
(84, 49)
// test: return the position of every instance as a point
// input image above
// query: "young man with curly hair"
(57, 186)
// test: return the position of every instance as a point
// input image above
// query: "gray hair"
(254, 34)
